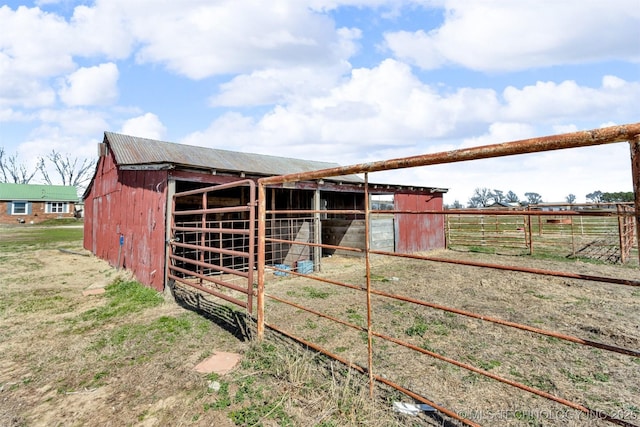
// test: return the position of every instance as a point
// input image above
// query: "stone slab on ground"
(220, 363)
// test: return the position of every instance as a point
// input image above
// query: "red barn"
(131, 202)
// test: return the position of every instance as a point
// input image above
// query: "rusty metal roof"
(135, 151)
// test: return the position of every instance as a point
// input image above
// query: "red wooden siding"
(131, 204)
(419, 232)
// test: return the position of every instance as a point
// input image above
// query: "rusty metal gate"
(212, 242)
(626, 224)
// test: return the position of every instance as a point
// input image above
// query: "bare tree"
(12, 171)
(571, 199)
(512, 197)
(70, 171)
(482, 197)
(533, 198)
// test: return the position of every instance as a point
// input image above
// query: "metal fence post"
(635, 176)
(262, 218)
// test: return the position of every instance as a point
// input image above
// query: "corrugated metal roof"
(130, 151)
(35, 192)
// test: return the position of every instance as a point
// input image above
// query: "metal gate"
(627, 231)
(213, 241)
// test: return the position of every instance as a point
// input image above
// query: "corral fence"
(380, 314)
(212, 246)
(599, 231)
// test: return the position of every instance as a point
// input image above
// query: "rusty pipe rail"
(564, 274)
(588, 138)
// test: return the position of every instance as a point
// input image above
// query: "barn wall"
(351, 233)
(419, 232)
(130, 205)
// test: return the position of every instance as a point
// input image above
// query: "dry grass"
(589, 376)
(75, 360)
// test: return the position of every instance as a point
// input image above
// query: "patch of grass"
(314, 293)
(124, 297)
(482, 249)
(254, 414)
(441, 326)
(378, 278)
(419, 327)
(537, 295)
(41, 237)
(541, 382)
(472, 378)
(310, 324)
(141, 341)
(40, 303)
(601, 376)
(57, 222)
(355, 317)
(247, 390)
(487, 365)
(261, 357)
(527, 417)
(582, 301)
(223, 398)
(576, 379)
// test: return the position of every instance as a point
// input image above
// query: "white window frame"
(52, 207)
(25, 208)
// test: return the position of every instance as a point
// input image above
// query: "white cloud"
(503, 35)
(372, 111)
(145, 126)
(561, 101)
(91, 86)
(35, 43)
(71, 122)
(275, 86)
(11, 115)
(232, 36)
(36, 46)
(501, 132)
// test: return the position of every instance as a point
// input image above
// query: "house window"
(18, 208)
(57, 207)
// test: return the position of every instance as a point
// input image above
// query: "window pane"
(56, 207)
(19, 208)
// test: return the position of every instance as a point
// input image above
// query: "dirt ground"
(50, 375)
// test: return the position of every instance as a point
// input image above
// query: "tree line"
(68, 170)
(484, 197)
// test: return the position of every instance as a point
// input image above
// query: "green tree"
(618, 197)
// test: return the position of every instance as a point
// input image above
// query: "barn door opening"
(212, 241)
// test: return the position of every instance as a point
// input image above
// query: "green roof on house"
(37, 192)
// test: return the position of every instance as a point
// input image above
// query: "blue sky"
(345, 81)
